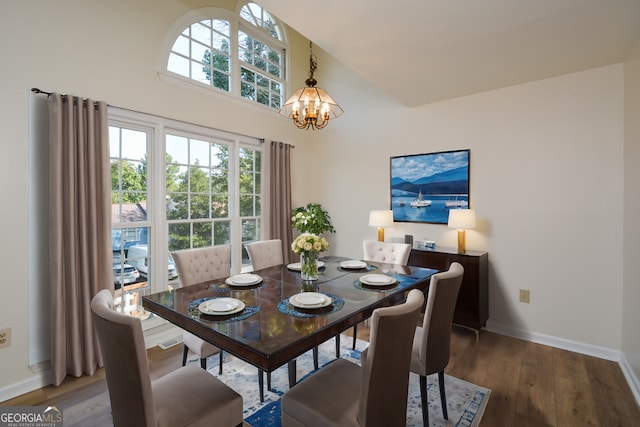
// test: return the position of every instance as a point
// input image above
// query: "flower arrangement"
(311, 219)
(308, 242)
(308, 245)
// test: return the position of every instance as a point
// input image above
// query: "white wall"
(546, 164)
(631, 295)
(546, 184)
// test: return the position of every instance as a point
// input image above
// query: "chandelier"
(311, 107)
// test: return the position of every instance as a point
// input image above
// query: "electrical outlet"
(525, 295)
(5, 337)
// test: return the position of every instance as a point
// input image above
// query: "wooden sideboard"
(472, 308)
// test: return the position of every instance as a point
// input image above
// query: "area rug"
(466, 402)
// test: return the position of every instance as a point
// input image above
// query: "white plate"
(353, 264)
(310, 300)
(297, 266)
(221, 306)
(377, 280)
(243, 280)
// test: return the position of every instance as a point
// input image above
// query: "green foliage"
(311, 219)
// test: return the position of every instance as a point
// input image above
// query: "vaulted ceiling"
(423, 51)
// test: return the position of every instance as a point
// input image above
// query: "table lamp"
(381, 219)
(462, 219)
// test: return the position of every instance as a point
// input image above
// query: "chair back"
(202, 264)
(385, 370)
(389, 253)
(125, 362)
(438, 318)
(265, 253)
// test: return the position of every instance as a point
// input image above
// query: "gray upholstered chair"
(345, 394)
(186, 396)
(197, 266)
(389, 253)
(265, 253)
(431, 344)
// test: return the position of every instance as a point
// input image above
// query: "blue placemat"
(285, 307)
(248, 311)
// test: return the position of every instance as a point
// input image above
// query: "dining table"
(271, 316)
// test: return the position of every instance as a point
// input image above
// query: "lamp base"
(380, 234)
(461, 242)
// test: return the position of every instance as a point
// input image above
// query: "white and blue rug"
(466, 402)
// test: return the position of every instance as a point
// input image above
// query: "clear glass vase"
(309, 265)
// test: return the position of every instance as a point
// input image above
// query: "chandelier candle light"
(311, 107)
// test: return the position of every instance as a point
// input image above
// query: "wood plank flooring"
(531, 385)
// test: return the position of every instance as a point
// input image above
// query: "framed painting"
(424, 187)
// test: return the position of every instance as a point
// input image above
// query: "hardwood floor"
(531, 385)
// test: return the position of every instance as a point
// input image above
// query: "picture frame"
(424, 187)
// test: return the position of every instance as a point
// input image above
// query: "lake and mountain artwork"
(424, 187)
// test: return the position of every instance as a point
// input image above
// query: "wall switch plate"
(525, 296)
(5, 337)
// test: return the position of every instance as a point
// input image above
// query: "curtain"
(79, 230)
(280, 194)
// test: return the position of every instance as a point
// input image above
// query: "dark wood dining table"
(270, 331)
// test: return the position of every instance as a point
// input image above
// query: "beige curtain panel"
(280, 193)
(79, 229)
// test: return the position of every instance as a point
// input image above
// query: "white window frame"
(236, 23)
(157, 222)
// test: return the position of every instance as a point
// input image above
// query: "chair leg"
(220, 369)
(443, 397)
(355, 335)
(203, 363)
(423, 398)
(185, 353)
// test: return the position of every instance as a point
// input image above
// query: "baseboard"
(577, 347)
(632, 379)
(39, 380)
(564, 344)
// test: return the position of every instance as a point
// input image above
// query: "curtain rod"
(43, 92)
(40, 91)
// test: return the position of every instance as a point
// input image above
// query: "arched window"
(243, 54)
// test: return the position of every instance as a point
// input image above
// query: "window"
(240, 54)
(130, 224)
(177, 186)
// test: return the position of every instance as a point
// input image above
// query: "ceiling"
(424, 51)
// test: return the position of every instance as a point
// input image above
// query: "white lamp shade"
(381, 218)
(462, 219)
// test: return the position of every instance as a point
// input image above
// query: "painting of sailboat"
(420, 202)
(424, 187)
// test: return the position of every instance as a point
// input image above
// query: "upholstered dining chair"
(389, 253)
(431, 344)
(345, 394)
(186, 396)
(197, 266)
(265, 253)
